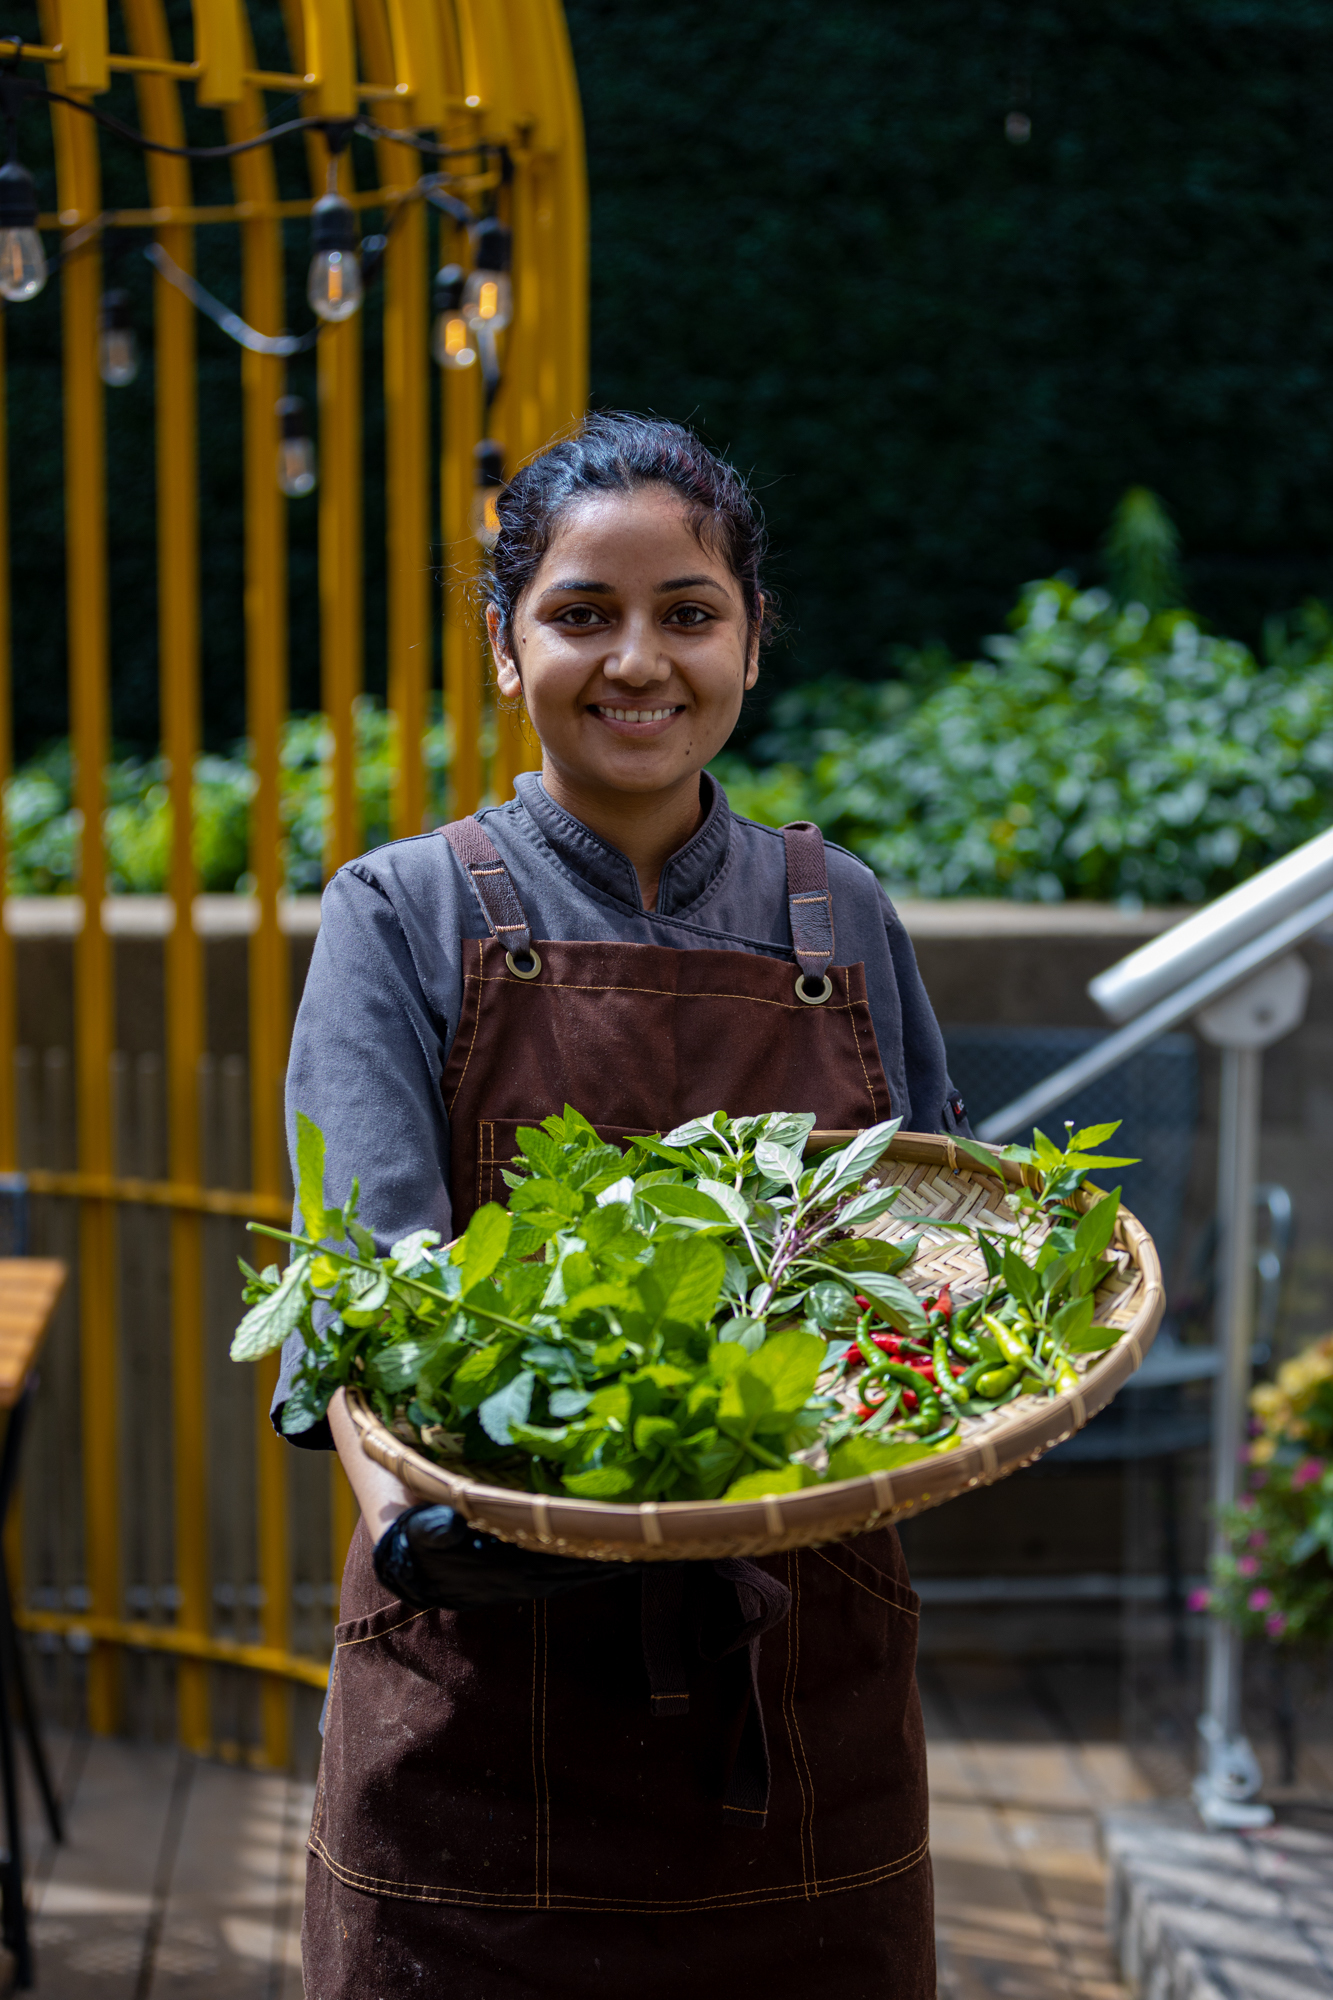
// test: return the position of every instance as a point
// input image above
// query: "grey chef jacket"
(383, 995)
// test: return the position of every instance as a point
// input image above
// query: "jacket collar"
(686, 875)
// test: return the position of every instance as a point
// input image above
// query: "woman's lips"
(641, 721)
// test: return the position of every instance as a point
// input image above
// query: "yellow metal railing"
(462, 72)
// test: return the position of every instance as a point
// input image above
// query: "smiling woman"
(492, 1805)
(627, 615)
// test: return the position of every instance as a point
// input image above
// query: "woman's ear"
(752, 660)
(506, 667)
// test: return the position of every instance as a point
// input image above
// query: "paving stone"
(1198, 1915)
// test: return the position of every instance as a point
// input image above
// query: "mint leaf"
(268, 1323)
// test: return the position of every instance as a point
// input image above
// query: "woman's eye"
(582, 615)
(689, 614)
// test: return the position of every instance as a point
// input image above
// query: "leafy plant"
(682, 1320)
(42, 826)
(1095, 750)
(1275, 1577)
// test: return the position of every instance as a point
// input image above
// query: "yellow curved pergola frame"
(468, 70)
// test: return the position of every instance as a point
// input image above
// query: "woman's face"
(630, 647)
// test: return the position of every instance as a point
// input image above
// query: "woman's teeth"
(635, 714)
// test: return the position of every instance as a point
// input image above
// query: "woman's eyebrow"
(688, 583)
(576, 583)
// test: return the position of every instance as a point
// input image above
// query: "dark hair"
(615, 452)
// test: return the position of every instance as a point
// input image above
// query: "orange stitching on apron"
(665, 993)
(380, 1635)
(476, 1023)
(788, 1693)
(415, 1892)
(540, 1650)
(485, 1160)
(905, 1609)
(795, 1560)
(874, 1108)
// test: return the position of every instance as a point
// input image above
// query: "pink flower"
(1247, 1565)
(1275, 1624)
(1198, 1600)
(1258, 1539)
(1306, 1473)
(1259, 1600)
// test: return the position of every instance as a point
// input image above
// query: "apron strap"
(808, 899)
(493, 884)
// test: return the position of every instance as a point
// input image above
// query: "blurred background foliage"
(948, 280)
(951, 283)
(946, 352)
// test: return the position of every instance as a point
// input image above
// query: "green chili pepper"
(994, 1382)
(944, 1380)
(1009, 1340)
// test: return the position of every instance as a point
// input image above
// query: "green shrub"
(1095, 751)
(42, 826)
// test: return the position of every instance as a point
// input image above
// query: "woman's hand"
(380, 1496)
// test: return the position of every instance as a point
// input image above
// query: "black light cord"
(337, 130)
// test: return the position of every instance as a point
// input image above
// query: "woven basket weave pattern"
(939, 1185)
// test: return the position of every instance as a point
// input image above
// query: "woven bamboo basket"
(939, 1184)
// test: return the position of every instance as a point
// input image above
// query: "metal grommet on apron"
(810, 906)
(674, 1768)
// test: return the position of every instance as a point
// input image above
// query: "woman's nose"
(638, 660)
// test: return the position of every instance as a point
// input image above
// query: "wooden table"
(29, 1288)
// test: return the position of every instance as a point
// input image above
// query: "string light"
(117, 346)
(22, 258)
(471, 309)
(334, 287)
(488, 295)
(488, 479)
(451, 341)
(297, 471)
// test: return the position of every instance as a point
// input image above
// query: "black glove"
(430, 1556)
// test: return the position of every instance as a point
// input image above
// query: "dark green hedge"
(945, 355)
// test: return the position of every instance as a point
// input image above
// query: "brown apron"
(503, 1812)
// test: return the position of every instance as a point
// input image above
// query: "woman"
(558, 1778)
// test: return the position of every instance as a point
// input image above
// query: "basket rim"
(679, 1529)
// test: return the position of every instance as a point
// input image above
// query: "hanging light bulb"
(334, 286)
(451, 340)
(488, 480)
(117, 347)
(296, 450)
(488, 295)
(22, 258)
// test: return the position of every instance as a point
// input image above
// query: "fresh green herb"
(681, 1320)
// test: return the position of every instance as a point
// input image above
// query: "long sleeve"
(367, 1055)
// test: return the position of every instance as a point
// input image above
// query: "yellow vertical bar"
(515, 420)
(79, 196)
(178, 669)
(266, 705)
(13, 1526)
(464, 671)
(396, 60)
(338, 357)
(407, 447)
(8, 996)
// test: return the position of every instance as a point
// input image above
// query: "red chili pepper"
(864, 1414)
(944, 1303)
(909, 1400)
(889, 1343)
